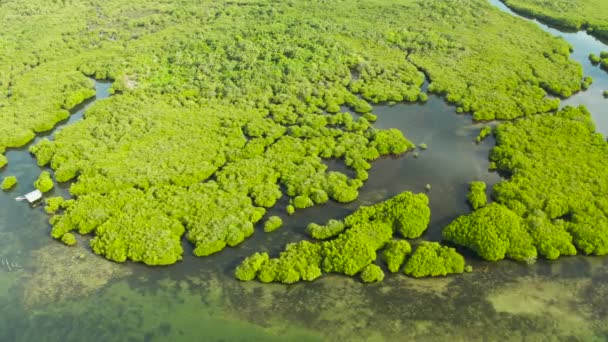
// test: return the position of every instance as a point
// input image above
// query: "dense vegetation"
(484, 132)
(221, 108)
(477, 194)
(554, 203)
(395, 253)
(355, 248)
(372, 274)
(430, 259)
(590, 15)
(367, 230)
(8, 182)
(273, 223)
(493, 232)
(44, 182)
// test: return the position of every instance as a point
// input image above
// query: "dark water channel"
(68, 294)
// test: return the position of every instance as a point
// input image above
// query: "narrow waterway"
(582, 44)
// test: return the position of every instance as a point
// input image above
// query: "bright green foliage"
(430, 259)
(44, 182)
(372, 274)
(348, 254)
(43, 151)
(370, 117)
(331, 229)
(477, 194)
(394, 254)
(290, 209)
(8, 183)
(301, 202)
(147, 50)
(3, 160)
(299, 261)
(587, 81)
(483, 133)
(594, 58)
(273, 223)
(590, 15)
(605, 93)
(564, 195)
(53, 204)
(69, 239)
(391, 142)
(213, 120)
(361, 235)
(554, 203)
(407, 213)
(249, 268)
(356, 248)
(493, 232)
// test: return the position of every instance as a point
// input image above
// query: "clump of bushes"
(248, 269)
(359, 237)
(331, 229)
(395, 253)
(587, 81)
(493, 232)
(477, 195)
(44, 182)
(273, 223)
(483, 133)
(69, 239)
(372, 274)
(594, 58)
(8, 183)
(431, 259)
(53, 204)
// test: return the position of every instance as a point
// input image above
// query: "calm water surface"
(69, 294)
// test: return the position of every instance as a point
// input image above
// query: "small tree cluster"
(8, 183)
(477, 195)
(430, 259)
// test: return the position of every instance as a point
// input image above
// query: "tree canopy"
(554, 200)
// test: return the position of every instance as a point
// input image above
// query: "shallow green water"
(69, 294)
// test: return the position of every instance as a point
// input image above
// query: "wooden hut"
(32, 197)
